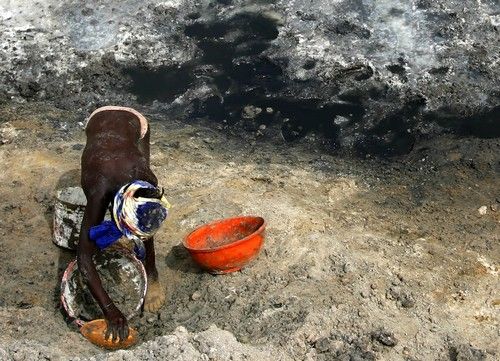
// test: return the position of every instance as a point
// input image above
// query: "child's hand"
(117, 324)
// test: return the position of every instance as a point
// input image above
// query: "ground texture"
(364, 259)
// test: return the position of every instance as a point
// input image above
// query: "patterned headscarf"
(137, 218)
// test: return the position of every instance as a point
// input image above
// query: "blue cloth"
(105, 234)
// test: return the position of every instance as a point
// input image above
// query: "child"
(115, 170)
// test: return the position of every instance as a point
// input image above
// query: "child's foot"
(155, 297)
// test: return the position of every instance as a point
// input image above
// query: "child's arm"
(94, 215)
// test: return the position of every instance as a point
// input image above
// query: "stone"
(8, 133)
(386, 338)
(400, 82)
(322, 345)
(250, 112)
(196, 296)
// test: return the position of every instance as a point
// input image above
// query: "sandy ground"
(364, 259)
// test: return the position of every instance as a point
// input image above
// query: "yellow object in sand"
(95, 330)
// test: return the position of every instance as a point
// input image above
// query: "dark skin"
(113, 156)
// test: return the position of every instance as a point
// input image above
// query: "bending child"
(116, 171)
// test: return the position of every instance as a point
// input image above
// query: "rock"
(250, 112)
(385, 338)
(403, 297)
(399, 82)
(482, 210)
(196, 296)
(41, 197)
(7, 133)
(362, 313)
(340, 120)
(322, 345)
(467, 353)
(347, 267)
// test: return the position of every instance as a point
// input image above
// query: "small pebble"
(407, 301)
(385, 338)
(362, 313)
(196, 296)
(322, 345)
(406, 351)
(339, 120)
(482, 210)
(494, 207)
(347, 267)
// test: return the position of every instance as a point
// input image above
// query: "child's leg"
(155, 295)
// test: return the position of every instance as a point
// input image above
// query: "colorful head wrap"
(137, 218)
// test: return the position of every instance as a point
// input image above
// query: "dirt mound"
(44, 338)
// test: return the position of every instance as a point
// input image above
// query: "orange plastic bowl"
(227, 245)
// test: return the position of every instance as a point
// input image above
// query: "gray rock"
(196, 296)
(402, 296)
(323, 344)
(467, 353)
(365, 76)
(386, 338)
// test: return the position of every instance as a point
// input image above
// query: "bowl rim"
(229, 245)
(74, 265)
